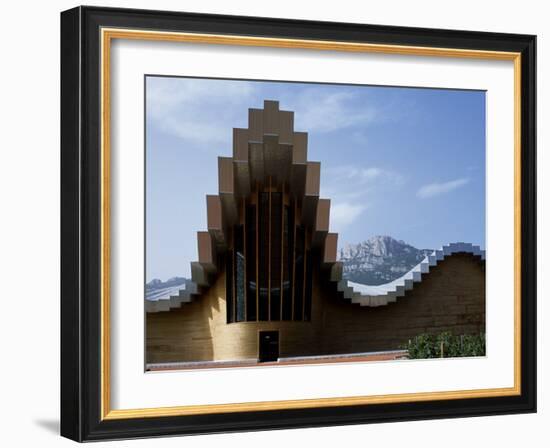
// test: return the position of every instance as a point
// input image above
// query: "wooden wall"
(450, 298)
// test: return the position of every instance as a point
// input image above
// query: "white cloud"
(356, 174)
(436, 189)
(352, 189)
(183, 107)
(367, 174)
(319, 111)
(352, 177)
(344, 213)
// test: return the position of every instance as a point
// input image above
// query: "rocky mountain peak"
(378, 260)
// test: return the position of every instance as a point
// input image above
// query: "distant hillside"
(159, 284)
(376, 261)
(379, 260)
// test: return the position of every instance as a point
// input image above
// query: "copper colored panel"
(313, 178)
(206, 250)
(240, 144)
(255, 125)
(286, 127)
(299, 154)
(257, 164)
(226, 182)
(214, 212)
(272, 154)
(323, 215)
(242, 177)
(331, 248)
(271, 117)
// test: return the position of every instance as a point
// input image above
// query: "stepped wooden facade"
(267, 274)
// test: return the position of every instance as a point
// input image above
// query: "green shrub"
(453, 346)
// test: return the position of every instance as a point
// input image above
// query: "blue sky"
(404, 162)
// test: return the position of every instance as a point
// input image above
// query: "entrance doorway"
(269, 346)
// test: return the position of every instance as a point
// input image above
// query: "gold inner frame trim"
(107, 35)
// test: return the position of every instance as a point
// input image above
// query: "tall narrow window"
(309, 285)
(263, 256)
(288, 245)
(276, 255)
(229, 286)
(239, 274)
(251, 262)
(271, 263)
(299, 274)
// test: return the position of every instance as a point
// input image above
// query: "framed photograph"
(273, 223)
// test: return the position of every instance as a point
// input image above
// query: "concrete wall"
(450, 298)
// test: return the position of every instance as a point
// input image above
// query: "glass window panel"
(288, 244)
(251, 262)
(276, 254)
(229, 286)
(263, 256)
(299, 274)
(309, 277)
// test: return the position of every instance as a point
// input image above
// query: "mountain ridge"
(375, 261)
(156, 283)
(378, 260)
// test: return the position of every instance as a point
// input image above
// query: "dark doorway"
(269, 346)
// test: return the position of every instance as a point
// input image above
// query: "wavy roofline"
(381, 295)
(358, 293)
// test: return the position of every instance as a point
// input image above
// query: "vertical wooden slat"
(294, 258)
(269, 254)
(240, 144)
(304, 273)
(255, 125)
(281, 294)
(234, 273)
(257, 254)
(245, 261)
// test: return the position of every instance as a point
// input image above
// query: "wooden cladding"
(268, 214)
(269, 269)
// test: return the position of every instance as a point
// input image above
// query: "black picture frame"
(81, 224)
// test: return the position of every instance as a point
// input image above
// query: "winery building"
(267, 285)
